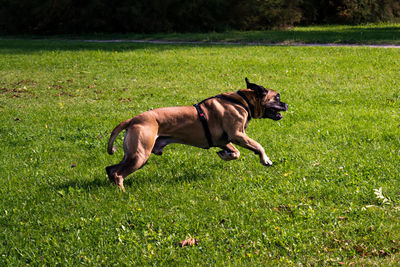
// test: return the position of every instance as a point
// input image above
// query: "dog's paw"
(157, 151)
(228, 155)
(266, 161)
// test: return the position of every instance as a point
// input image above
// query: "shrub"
(73, 16)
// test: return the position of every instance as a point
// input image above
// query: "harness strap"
(203, 121)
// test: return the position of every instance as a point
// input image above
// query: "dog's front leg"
(228, 152)
(243, 140)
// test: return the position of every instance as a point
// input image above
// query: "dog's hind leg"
(138, 144)
(229, 152)
(125, 168)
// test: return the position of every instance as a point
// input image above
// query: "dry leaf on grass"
(188, 242)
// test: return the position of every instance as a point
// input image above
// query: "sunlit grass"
(336, 147)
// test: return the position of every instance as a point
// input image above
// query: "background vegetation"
(145, 16)
(332, 196)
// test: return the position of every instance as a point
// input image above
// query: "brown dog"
(215, 122)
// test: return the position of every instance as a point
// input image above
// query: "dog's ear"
(247, 83)
(260, 90)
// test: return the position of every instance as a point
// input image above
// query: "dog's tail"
(122, 126)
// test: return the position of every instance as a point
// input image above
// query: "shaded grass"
(332, 34)
(316, 205)
(362, 34)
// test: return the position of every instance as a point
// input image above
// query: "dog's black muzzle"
(273, 111)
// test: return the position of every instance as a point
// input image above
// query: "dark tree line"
(145, 16)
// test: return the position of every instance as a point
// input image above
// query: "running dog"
(218, 121)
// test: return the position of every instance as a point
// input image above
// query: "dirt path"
(241, 43)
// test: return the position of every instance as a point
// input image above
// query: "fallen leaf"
(124, 100)
(188, 242)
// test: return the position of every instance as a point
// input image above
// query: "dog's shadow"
(186, 176)
(83, 185)
(138, 180)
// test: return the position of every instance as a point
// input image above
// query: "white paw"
(266, 161)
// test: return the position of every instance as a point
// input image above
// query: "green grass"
(335, 34)
(337, 145)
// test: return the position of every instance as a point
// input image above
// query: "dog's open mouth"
(274, 112)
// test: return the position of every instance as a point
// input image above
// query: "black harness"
(203, 119)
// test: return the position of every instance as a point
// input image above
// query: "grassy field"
(332, 196)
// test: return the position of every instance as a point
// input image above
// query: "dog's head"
(270, 101)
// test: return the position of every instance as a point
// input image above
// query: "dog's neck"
(248, 103)
(250, 97)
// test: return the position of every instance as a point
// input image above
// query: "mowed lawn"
(332, 196)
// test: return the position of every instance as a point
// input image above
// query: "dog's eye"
(277, 98)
